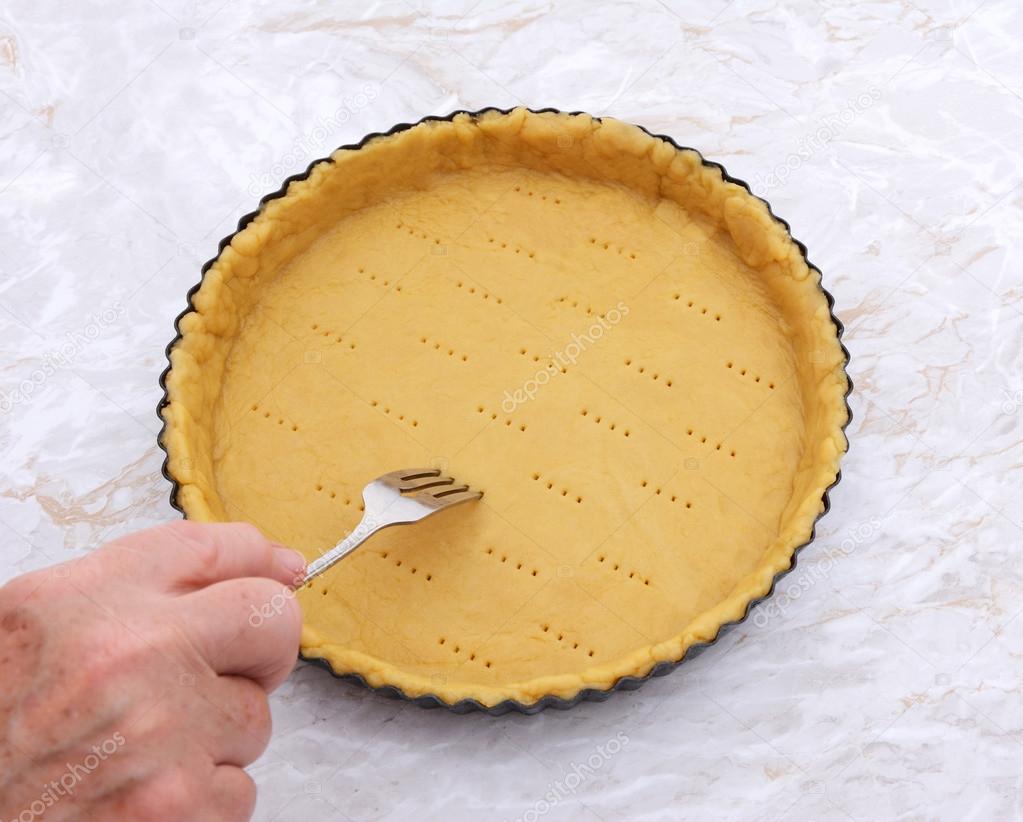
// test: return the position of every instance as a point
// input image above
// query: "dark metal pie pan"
(625, 683)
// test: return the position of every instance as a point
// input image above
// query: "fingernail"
(293, 561)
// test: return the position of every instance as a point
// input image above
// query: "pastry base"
(625, 351)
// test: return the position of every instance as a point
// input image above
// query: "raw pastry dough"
(626, 352)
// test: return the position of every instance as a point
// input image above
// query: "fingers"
(245, 627)
(242, 723)
(189, 555)
(232, 794)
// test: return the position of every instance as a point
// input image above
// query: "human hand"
(135, 679)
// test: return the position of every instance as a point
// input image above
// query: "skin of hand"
(135, 679)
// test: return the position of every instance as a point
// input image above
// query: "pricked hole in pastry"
(398, 562)
(429, 577)
(535, 572)
(323, 592)
(319, 487)
(294, 428)
(488, 663)
(472, 657)
(441, 641)
(266, 415)
(589, 653)
(456, 649)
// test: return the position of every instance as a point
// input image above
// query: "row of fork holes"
(387, 410)
(692, 304)
(457, 649)
(518, 565)
(655, 376)
(657, 493)
(550, 486)
(267, 415)
(529, 193)
(327, 333)
(584, 412)
(743, 372)
(509, 423)
(438, 347)
(617, 567)
(412, 570)
(560, 637)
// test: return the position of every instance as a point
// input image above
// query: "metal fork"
(397, 498)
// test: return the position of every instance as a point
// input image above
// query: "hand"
(135, 679)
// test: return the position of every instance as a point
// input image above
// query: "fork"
(397, 498)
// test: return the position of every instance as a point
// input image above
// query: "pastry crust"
(625, 350)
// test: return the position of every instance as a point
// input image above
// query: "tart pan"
(549, 701)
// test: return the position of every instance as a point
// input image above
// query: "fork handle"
(363, 531)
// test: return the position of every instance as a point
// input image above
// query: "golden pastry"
(624, 350)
